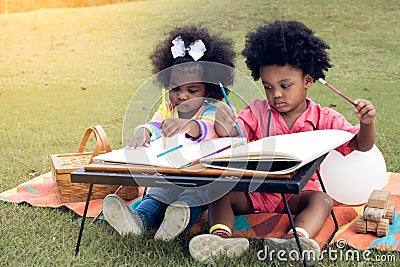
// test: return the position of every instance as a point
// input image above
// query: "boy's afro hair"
(286, 42)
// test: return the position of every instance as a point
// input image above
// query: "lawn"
(63, 70)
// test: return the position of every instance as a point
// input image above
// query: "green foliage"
(63, 70)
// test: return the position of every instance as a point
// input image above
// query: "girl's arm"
(145, 133)
(173, 126)
(198, 128)
(141, 138)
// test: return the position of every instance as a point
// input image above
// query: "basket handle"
(99, 142)
(104, 139)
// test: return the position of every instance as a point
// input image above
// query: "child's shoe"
(121, 217)
(311, 249)
(176, 218)
(207, 248)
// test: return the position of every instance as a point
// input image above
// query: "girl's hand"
(141, 138)
(225, 121)
(365, 111)
(171, 126)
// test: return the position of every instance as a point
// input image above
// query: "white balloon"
(351, 179)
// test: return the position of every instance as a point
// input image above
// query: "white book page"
(303, 147)
(186, 152)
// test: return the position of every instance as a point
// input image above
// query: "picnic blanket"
(266, 225)
(40, 192)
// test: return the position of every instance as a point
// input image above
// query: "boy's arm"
(365, 139)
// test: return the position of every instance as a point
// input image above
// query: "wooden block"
(383, 228)
(374, 214)
(361, 225)
(372, 226)
(379, 199)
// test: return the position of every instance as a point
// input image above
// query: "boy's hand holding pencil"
(231, 107)
(226, 123)
(363, 109)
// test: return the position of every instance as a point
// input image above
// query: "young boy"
(288, 58)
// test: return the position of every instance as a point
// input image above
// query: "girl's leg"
(196, 199)
(151, 211)
(182, 214)
(121, 217)
(195, 214)
(312, 208)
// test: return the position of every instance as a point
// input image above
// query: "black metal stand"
(294, 228)
(332, 214)
(291, 186)
(83, 219)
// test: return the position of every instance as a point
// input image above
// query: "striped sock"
(301, 232)
(221, 230)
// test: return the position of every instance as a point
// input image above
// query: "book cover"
(279, 154)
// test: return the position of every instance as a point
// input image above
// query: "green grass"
(63, 70)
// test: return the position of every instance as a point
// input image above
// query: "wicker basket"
(64, 164)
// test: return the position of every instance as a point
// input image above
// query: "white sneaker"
(176, 218)
(121, 217)
(311, 249)
(207, 248)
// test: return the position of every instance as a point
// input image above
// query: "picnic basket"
(64, 164)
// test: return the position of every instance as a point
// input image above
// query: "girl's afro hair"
(219, 50)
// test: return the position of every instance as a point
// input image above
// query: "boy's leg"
(207, 248)
(310, 247)
(221, 217)
(312, 208)
(223, 211)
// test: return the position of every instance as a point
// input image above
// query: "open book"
(279, 154)
(174, 152)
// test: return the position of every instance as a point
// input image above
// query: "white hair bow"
(195, 50)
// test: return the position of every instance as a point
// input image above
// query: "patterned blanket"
(40, 192)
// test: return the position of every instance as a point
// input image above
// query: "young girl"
(183, 63)
(288, 58)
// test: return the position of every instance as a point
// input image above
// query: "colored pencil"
(337, 91)
(230, 106)
(212, 153)
(163, 104)
(169, 151)
(163, 108)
